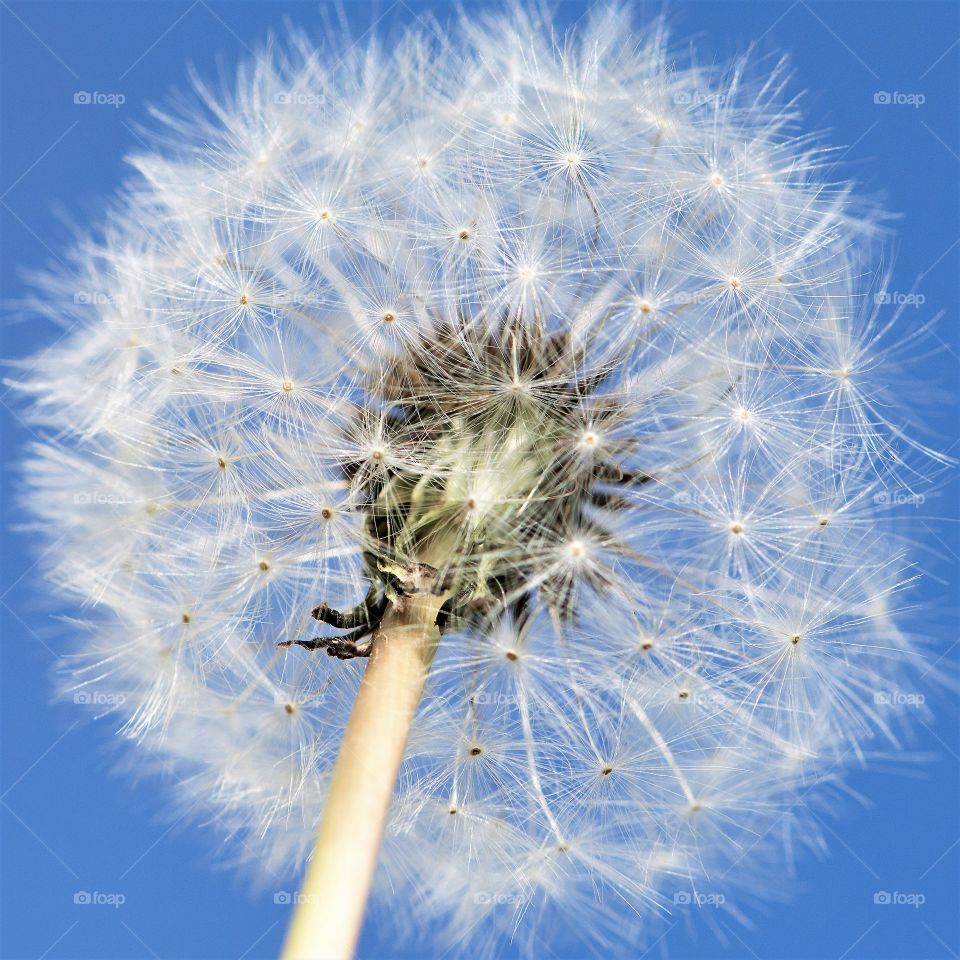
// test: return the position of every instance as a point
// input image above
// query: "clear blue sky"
(71, 823)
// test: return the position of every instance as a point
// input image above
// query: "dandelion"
(471, 465)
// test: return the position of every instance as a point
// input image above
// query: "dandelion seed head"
(604, 369)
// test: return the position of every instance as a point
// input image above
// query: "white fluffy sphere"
(577, 325)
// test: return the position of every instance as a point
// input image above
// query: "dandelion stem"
(326, 925)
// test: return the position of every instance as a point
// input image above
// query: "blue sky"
(72, 823)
